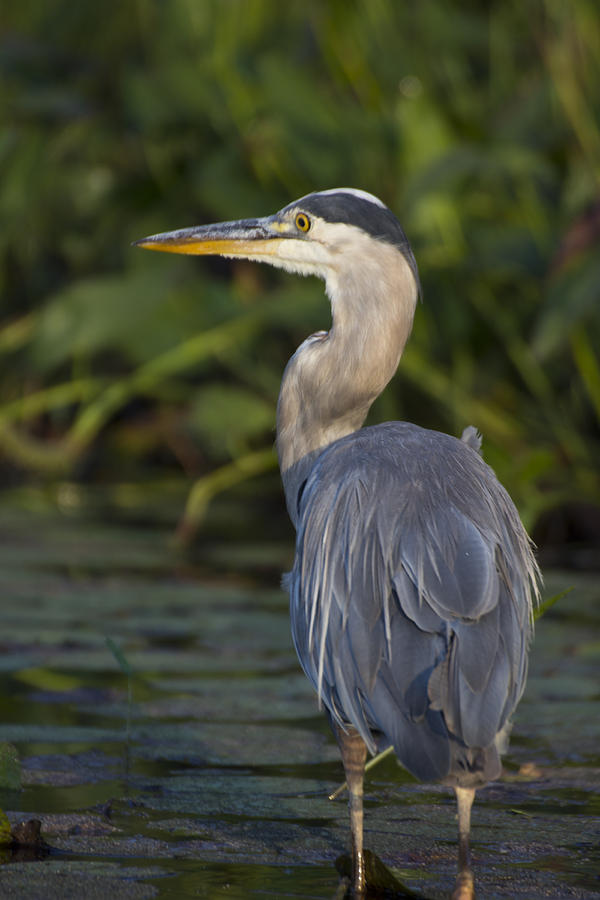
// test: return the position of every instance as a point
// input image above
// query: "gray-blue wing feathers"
(411, 595)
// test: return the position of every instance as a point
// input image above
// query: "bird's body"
(412, 586)
(404, 614)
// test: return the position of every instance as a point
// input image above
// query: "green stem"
(221, 479)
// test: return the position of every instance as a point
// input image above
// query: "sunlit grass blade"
(374, 761)
(127, 670)
(543, 608)
(587, 365)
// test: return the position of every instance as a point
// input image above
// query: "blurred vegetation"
(478, 124)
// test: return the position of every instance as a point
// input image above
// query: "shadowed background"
(132, 382)
(166, 736)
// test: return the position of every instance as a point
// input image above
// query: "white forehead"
(356, 192)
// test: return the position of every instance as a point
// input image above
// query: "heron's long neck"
(333, 378)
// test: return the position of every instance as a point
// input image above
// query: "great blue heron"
(413, 582)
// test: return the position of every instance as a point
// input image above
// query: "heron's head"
(326, 233)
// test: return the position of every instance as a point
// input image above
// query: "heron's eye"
(302, 222)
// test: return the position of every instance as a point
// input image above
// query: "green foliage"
(477, 124)
(224, 417)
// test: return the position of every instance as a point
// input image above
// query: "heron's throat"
(333, 378)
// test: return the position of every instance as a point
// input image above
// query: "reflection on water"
(224, 789)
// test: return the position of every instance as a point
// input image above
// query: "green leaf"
(226, 417)
(93, 315)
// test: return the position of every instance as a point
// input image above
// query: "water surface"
(213, 781)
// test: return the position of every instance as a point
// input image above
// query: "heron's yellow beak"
(248, 238)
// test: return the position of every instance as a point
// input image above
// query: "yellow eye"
(302, 222)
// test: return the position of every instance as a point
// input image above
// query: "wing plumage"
(411, 597)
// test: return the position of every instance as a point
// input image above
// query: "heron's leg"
(465, 883)
(354, 754)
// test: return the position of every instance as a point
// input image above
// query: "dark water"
(213, 781)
